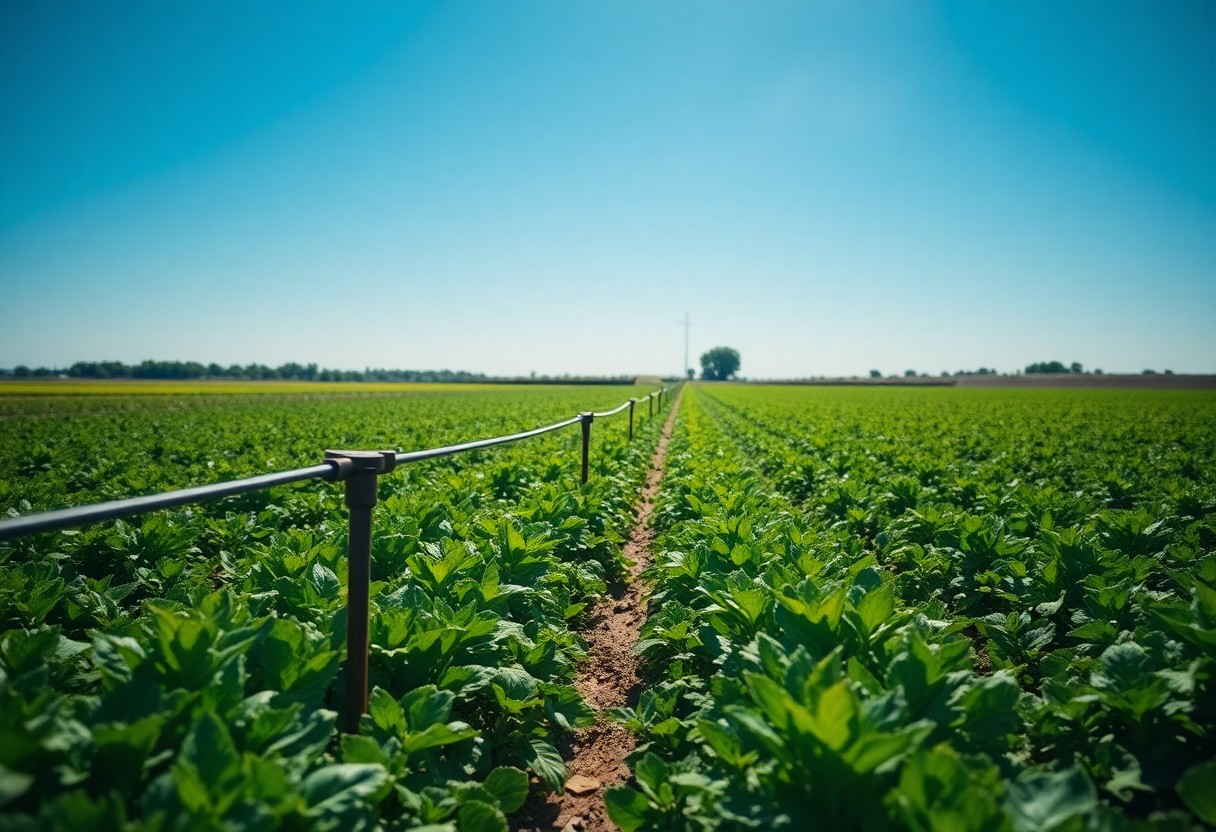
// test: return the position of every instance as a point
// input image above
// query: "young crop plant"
(881, 609)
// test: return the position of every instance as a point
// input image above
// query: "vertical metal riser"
(587, 419)
(361, 485)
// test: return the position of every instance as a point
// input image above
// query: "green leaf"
(937, 792)
(466, 679)
(1097, 632)
(990, 709)
(516, 683)
(268, 781)
(324, 580)
(651, 773)
(13, 784)
(724, 743)
(208, 769)
(543, 758)
(335, 790)
(836, 715)
(360, 749)
(116, 657)
(750, 722)
(876, 606)
(476, 816)
(1041, 801)
(307, 738)
(436, 736)
(1124, 667)
(191, 789)
(1197, 788)
(564, 707)
(627, 808)
(24, 650)
(385, 711)
(427, 706)
(509, 786)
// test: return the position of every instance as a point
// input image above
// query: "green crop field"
(181, 670)
(929, 609)
(10, 387)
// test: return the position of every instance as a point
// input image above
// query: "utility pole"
(686, 325)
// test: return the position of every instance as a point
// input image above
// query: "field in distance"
(212, 387)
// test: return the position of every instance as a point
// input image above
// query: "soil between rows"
(610, 678)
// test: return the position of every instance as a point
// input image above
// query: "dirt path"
(608, 679)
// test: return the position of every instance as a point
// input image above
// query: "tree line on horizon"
(1038, 368)
(719, 363)
(291, 371)
(184, 370)
(1075, 368)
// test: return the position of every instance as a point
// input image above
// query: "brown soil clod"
(579, 785)
(608, 679)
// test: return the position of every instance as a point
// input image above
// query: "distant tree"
(1075, 367)
(945, 374)
(719, 364)
(1047, 367)
(1169, 372)
(1149, 373)
(1097, 371)
(909, 373)
(21, 371)
(875, 373)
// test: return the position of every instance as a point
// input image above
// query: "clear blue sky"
(550, 186)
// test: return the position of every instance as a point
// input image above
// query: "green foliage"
(932, 610)
(719, 363)
(182, 670)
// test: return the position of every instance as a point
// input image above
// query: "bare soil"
(1158, 381)
(595, 756)
(1114, 381)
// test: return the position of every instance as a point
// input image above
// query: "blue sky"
(828, 187)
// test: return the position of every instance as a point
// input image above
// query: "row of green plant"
(184, 670)
(915, 609)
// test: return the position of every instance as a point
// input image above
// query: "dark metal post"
(650, 405)
(660, 400)
(587, 418)
(363, 467)
(632, 402)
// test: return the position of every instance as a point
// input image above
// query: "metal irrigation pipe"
(48, 521)
(612, 412)
(448, 450)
